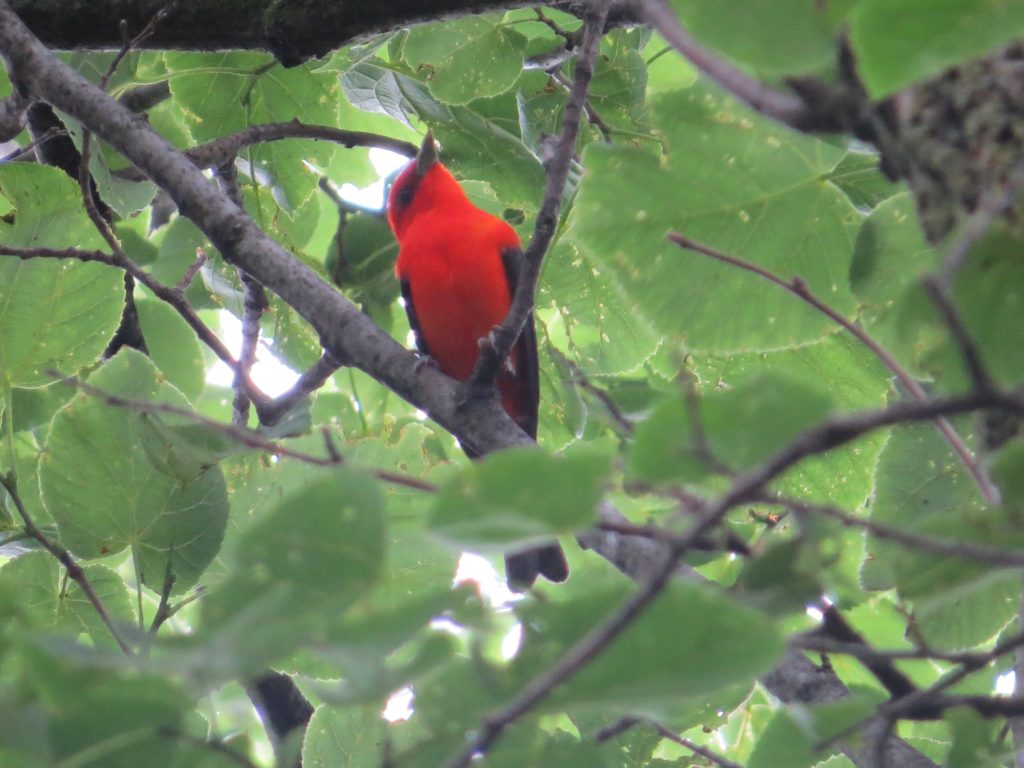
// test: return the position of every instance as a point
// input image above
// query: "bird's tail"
(522, 568)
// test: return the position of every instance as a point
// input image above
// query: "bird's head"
(422, 185)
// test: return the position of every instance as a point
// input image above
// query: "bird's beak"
(427, 155)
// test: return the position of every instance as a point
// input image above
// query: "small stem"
(74, 570)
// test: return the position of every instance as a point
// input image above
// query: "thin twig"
(592, 114)
(310, 381)
(624, 724)
(244, 436)
(74, 570)
(78, 254)
(557, 172)
(255, 304)
(918, 541)
(219, 151)
(163, 612)
(928, 697)
(826, 436)
(571, 38)
(580, 379)
(49, 133)
(974, 659)
(193, 270)
(969, 351)
(799, 288)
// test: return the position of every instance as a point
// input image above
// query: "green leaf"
(55, 315)
(346, 738)
(293, 572)
(365, 267)
(853, 378)
(692, 640)
(40, 584)
(219, 94)
(898, 42)
(474, 145)
(859, 177)
(173, 346)
(604, 333)
(890, 257)
(667, 445)
(518, 496)
(96, 718)
(171, 523)
(969, 613)
(733, 181)
(923, 488)
(771, 37)
(785, 743)
(466, 59)
(618, 89)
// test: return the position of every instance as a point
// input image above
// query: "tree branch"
(346, 332)
(557, 172)
(220, 151)
(786, 108)
(244, 436)
(74, 570)
(799, 288)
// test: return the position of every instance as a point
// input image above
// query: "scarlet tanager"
(458, 267)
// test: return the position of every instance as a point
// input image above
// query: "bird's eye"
(404, 197)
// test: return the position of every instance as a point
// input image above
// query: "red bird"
(458, 267)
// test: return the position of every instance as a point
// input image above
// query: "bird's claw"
(425, 361)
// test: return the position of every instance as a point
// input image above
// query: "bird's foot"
(425, 361)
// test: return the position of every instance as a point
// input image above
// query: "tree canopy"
(773, 251)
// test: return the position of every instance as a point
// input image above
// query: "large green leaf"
(473, 57)
(173, 346)
(771, 37)
(40, 583)
(668, 445)
(55, 315)
(173, 523)
(520, 495)
(96, 718)
(692, 641)
(854, 380)
(601, 330)
(923, 488)
(294, 572)
(474, 145)
(219, 94)
(736, 182)
(900, 41)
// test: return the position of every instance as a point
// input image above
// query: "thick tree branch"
(293, 30)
